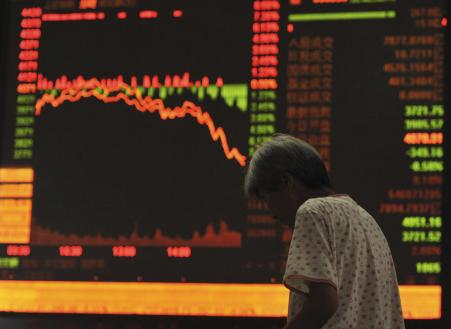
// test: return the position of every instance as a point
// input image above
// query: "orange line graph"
(94, 88)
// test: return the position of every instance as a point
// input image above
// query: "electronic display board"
(127, 126)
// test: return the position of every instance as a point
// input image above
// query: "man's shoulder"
(318, 204)
(327, 206)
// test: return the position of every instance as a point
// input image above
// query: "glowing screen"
(127, 126)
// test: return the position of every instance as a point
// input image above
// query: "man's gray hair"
(283, 155)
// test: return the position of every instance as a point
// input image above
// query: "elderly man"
(339, 271)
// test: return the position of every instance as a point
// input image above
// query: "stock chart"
(127, 126)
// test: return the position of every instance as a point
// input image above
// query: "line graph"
(224, 237)
(132, 96)
(169, 85)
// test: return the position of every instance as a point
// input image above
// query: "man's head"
(285, 172)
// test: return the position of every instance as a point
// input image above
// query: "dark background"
(75, 322)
